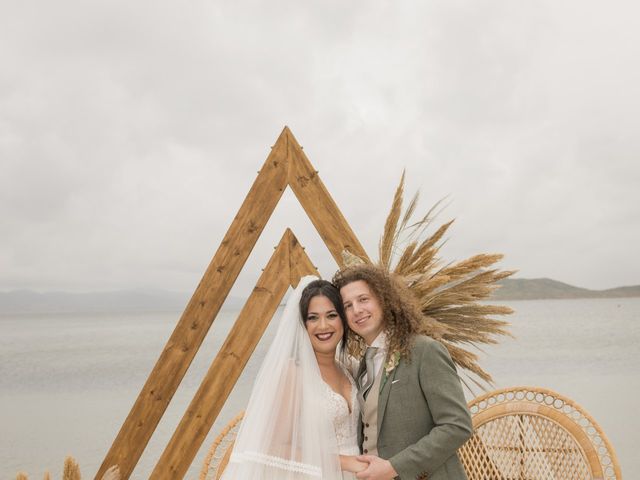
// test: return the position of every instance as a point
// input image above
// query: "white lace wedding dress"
(295, 426)
(345, 422)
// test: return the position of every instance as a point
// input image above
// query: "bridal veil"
(287, 433)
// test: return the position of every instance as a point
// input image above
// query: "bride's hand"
(350, 463)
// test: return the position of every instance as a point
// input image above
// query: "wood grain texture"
(200, 313)
(319, 205)
(285, 165)
(233, 356)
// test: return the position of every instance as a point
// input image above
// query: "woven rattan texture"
(529, 433)
(214, 463)
(523, 433)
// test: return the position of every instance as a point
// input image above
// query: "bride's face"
(324, 325)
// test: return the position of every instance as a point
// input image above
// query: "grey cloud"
(130, 133)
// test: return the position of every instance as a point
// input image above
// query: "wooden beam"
(200, 313)
(286, 266)
(299, 263)
(318, 204)
(285, 165)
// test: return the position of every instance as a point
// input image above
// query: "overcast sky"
(130, 132)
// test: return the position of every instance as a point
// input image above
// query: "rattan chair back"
(522, 433)
(530, 433)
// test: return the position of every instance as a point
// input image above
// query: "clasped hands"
(376, 468)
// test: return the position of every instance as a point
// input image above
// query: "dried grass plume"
(450, 295)
(113, 473)
(71, 469)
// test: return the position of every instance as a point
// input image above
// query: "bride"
(302, 418)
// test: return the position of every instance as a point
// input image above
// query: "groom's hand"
(378, 468)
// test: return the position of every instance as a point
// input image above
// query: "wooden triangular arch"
(286, 165)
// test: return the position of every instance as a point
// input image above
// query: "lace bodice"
(345, 423)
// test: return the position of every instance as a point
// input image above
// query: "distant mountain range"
(29, 301)
(546, 288)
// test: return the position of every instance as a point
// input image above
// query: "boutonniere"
(392, 363)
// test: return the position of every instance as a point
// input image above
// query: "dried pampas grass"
(71, 471)
(449, 295)
(113, 473)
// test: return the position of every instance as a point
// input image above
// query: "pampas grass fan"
(450, 295)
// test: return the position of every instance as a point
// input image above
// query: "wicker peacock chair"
(521, 433)
(533, 433)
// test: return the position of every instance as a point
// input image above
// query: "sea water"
(68, 381)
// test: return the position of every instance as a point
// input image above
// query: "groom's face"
(363, 310)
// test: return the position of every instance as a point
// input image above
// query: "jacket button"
(366, 438)
(366, 424)
(366, 451)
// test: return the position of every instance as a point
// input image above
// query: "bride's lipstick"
(324, 336)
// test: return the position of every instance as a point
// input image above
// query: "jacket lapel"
(385, 382)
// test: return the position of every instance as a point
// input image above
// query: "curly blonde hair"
(402, 316)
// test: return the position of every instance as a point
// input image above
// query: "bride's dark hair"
(329, 290)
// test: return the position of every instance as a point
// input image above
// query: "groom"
(414, 415)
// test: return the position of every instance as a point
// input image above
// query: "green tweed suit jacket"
(422, 414)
